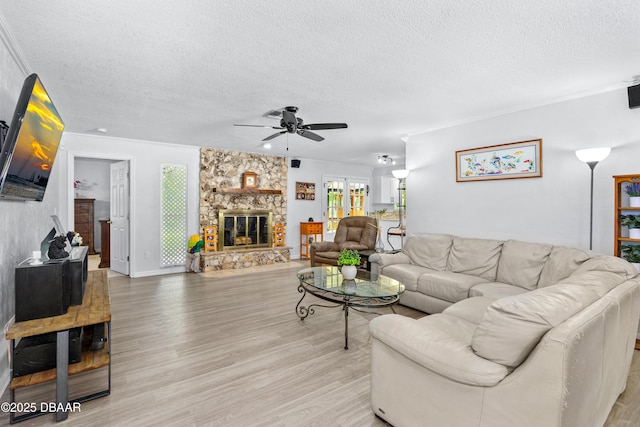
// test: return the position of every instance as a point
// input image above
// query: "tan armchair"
(354, 232)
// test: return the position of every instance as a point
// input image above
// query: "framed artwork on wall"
(504, 161)
(249, 180)
(305, 190)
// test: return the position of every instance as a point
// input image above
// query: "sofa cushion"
(521, 263)
(495, 290)
(512, 326)
(562, 263)
(354, 234)
(476, 257)
(407, 274)
(428, 250)
(470, 309)
(328, 255)
(445, 285)
(608, 263)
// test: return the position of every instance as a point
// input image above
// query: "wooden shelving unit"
(95, 309)
(90, 360)
(622, 207)
(278, 235)
(210, 238)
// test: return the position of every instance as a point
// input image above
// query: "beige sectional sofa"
(525, 334)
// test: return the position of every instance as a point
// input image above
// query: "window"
(174, 214)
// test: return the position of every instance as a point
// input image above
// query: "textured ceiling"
(185, 71)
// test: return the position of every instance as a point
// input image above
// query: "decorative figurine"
(56, 248)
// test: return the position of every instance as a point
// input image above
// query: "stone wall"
(222, 169)
(235, 259)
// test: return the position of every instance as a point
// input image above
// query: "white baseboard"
(169, 270)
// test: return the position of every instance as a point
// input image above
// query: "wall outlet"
(147, 255)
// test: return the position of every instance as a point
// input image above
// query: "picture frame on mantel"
(504, 161)
(249, 180)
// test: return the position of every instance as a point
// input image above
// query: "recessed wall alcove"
(220, 181)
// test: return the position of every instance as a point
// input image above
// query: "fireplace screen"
(243, 229)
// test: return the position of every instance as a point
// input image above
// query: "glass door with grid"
(343, 197)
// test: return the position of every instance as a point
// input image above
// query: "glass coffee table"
(367, 290)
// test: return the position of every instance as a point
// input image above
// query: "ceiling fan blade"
(274, 135)
(289, 118)
(322, 126)
(261, 126)
(310, 135)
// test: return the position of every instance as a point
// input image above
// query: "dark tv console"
(50, 287)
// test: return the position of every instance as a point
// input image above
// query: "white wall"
(145, 160)
(554, 208)
(300, 210)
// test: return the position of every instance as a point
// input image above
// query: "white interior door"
(119, 185)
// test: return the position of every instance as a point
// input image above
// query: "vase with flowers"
(633, 191)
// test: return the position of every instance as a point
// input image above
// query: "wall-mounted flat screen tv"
(31, 144)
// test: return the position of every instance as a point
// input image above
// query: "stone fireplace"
(244, 229)
(244, 217)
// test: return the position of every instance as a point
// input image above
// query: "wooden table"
(309, 232)
(95, 309)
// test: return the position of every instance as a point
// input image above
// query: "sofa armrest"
(388, 259)
(325, 246)
(436, 350)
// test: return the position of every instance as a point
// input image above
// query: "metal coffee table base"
(347, 301)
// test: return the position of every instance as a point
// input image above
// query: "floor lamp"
(592, 156)
(400, 175)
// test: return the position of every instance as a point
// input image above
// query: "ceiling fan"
(292, 124)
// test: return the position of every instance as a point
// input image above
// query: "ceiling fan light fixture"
(289, 123)
(266, 145)
(384, 159)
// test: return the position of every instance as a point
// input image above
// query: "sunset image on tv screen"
(36, 147)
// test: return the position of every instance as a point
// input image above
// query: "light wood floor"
(192, 350)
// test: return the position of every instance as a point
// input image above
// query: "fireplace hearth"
(244, 229)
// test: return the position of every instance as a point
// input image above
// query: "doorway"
(343, 196)
(93, 179)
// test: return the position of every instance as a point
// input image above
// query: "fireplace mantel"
(245, 191)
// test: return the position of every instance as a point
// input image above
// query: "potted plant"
(349, 259)
(633, 191)
(632, 254)
(633, 223)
